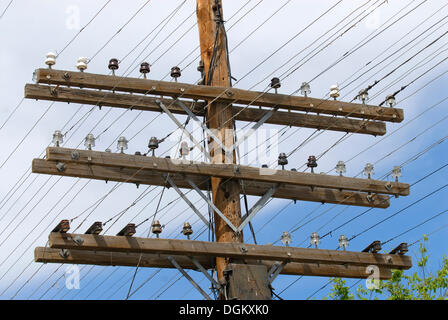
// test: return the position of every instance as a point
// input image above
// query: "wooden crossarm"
(226, 249)
(104, 258)
(146, 103)
(228, 171)
(151, 177)
(221, 94)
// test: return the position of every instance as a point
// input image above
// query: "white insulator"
(334, 91)
(184, 149)
(368, 170)
(58, 138)
(122, 144)
(305, 89)
(82, 64)
(89, 141)
(50, 59)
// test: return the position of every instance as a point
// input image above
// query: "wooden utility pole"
(213, 44)
(244, 271)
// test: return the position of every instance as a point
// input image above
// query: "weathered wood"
(219, 116)
(151, 177)
(146, 103)
(226, 250)
(226, 95)
(104, 258)
(227, 171)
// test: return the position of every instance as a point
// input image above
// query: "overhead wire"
(6, 9)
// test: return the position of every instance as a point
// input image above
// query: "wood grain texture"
(104, 258)
(146, 103)
(227, 250)
(233, 95)
(219, 117)
(151, 177)
(227, 171)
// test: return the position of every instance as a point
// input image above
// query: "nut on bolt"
(61, 166)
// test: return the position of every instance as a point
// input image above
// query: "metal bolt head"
(61, 166)
(75, 155)
(78, 240)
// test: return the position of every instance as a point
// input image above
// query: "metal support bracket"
(255, 127)
(257, 207)
(216, 139)
(182, 195)
(180, 126)
(275, 270)
(202, 269)
(203, 126)
(178, 267)
(212, 205)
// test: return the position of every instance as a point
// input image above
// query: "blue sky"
(29, 29)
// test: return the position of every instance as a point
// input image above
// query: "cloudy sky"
(352, 45)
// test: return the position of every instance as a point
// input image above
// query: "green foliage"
(340, 291)
(420, 285)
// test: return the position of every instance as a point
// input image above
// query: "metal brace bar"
(180, 126)
(178, 267)
(202, 269)
(275, 270)
(204, 127)
(245, 136)
(182, 195)
(211, 204)
(257, 207)
(254, 128)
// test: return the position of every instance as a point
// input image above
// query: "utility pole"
(213, 44)
(243, 271)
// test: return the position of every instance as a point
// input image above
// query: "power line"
(6, 9)
(83, 28)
